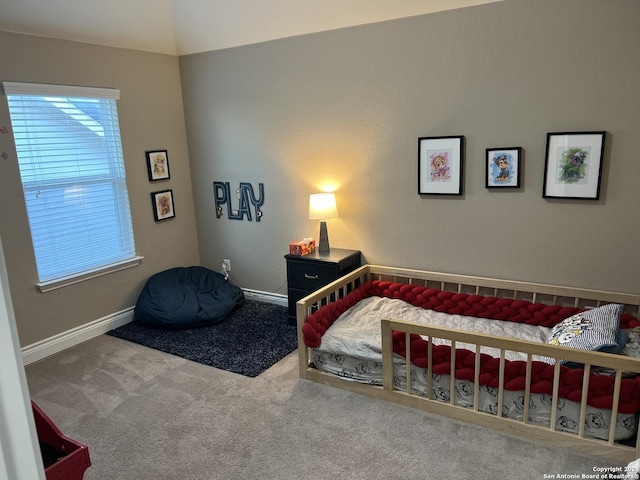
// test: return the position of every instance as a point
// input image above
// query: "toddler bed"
(522, 383)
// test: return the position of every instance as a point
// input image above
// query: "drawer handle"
(311, 277)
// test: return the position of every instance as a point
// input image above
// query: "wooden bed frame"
(532, 292)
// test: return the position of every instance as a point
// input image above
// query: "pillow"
(632, 347)
(597, 329)
(621, 340)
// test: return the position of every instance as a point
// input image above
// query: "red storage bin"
(64, 458)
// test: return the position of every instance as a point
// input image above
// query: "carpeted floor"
(146, 415)
(254, 337)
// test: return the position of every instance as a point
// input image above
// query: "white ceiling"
(181, 27)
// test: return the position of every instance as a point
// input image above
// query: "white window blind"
(72, 169)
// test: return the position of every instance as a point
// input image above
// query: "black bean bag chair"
(186, 297)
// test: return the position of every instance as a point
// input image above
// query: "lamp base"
(323, 245)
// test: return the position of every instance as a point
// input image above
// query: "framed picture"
(503, 167)
(163, 205)
(440, 162)
(158, 165)
(573, 165)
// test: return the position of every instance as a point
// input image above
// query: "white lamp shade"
(322, 206)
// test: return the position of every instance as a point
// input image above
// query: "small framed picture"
(163, 205)
(573, 165)
(440, 162)
(158, 165)
(503, 167)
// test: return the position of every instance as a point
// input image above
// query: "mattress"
(352, 349)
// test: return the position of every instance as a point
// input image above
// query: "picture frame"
(158, 165)
(440, 165)
(502, 167)
(573, 165)
(163, 207)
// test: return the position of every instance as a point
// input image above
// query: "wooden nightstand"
(308, 273)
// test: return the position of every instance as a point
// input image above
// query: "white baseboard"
(268, 297)
(44, 348)
(49, 346)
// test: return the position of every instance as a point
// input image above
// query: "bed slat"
(614, 408)
(430, 362)
(554, 395)
(452, 374)
(407, 354)
(476, 381)
(583, 399)
(527, 389)
(501, 384)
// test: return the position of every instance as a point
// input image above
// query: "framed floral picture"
(163, 205)
(440, 161)
(573, 165)
(158, 165)
(503, 167)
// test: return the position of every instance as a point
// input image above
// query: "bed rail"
(307, 305)
(532, 292)
(616, 363)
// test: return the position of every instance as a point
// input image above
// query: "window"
(72, 170)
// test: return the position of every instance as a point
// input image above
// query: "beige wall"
(151, 117)
(347, 107)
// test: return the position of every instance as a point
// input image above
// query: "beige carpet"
(149, 415)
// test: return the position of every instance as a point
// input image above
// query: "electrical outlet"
(227, 263)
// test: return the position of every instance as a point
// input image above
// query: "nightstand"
(308, 273)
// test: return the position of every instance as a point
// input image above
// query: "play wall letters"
(246, 199)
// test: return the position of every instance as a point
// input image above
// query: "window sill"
(45, 287)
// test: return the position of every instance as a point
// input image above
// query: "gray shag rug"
(254, 337)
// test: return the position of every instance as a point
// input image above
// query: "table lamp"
(322, 206)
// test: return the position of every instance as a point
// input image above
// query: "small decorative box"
(302, 247)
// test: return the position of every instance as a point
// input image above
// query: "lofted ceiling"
(182, 27)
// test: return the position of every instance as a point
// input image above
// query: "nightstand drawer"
(310, 277)
(308, 273)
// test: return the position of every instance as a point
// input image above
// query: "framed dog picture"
(158, 165)
(440, 162)
(503, 167)
(163, 205)
(573, 165)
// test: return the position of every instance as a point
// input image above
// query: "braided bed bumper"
(601, 387)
